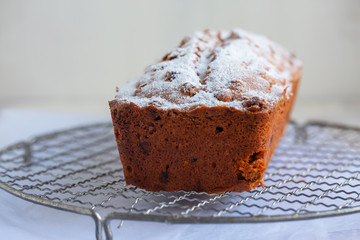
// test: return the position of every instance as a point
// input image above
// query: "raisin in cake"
(208, 116)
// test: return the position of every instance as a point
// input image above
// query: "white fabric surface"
(20, 219)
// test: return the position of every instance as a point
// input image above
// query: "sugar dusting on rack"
(215, 68)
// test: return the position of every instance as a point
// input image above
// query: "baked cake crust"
(209, 116)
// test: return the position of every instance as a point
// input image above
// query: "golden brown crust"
(223, 144)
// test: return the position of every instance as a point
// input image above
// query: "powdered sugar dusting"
(216, 68)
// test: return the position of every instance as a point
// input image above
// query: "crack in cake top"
(217, 68)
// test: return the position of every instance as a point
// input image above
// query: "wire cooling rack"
(314, 173)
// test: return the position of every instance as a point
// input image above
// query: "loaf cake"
(208, 116)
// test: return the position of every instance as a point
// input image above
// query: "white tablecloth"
(20, 219)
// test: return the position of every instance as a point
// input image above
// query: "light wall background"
(69, 55)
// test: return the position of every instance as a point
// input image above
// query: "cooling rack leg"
(98, 226)
(27, 155)
(107, 228)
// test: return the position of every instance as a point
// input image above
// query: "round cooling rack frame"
(315, 172)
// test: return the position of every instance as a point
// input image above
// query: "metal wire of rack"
(315, 172)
